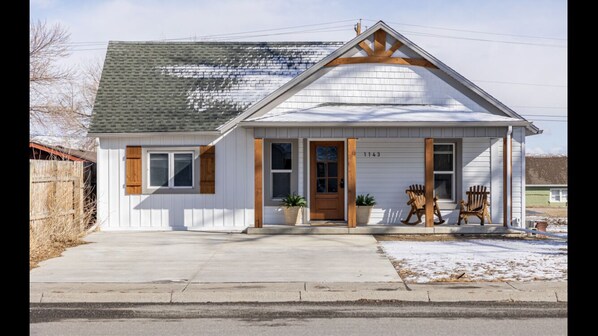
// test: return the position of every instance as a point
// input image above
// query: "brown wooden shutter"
(133, 170)
(207, 169)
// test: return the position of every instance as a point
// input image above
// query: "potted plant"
(365, 203)
(293, 205)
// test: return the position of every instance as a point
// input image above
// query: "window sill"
(172, 191)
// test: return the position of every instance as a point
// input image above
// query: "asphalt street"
(339, 318)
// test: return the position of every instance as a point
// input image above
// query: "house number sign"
(371, 154)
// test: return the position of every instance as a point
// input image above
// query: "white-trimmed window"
(170, 170)
(558, 195)
(281, 169)
(444, 171)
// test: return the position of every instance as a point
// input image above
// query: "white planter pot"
(363, 213)
(293, 215)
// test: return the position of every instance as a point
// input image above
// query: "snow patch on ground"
(478, 260)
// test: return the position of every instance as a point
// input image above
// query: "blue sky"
(527, 72)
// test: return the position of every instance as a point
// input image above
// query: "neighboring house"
(212, 135)
(546, 181)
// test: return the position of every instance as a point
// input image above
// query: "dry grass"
(56, 226)
(550, 212)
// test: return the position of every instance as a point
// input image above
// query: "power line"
(485, 40)
(545, 115)
(276, 29)
(474, 31)
(516, 83)
(544, 107)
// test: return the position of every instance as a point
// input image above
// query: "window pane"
(443, 148)
(281, 185)
(159, 170)
(321, 185)
(555, 195)
(332, 155)
(183, 170)
(321, 169)
(564, 195)
(332, 185)
(443, 186)
(281, 156)
(332, 169)
(443, 162)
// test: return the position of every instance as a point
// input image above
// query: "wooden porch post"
(351, 182)
(429, 181)
(258, 190)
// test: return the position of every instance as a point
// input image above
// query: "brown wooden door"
(327, 179)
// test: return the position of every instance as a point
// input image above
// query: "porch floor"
(341, 228)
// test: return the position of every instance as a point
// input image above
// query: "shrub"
(365, 200)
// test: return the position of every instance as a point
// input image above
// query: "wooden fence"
(56, 191)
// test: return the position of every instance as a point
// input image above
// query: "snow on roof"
(348, 113)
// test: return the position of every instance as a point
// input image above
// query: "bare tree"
(60, 97)
(47, 46)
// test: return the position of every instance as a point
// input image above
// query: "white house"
(208, 135)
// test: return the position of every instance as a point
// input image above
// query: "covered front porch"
(384, 162)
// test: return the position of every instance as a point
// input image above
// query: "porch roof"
(330, 114)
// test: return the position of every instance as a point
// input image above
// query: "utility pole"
(358, 27)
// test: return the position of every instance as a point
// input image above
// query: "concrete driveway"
(218, 257)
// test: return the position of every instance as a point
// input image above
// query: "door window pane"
(159, 170)
(281, 156)
(183, 170)
(281, 185)
(321, 169)
(321, 185)
(332, 185)
(443, 186)
(326, 153)
(332, 169)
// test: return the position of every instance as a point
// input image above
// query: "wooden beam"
(258, 190)
(392, 49)
(381, 59)
(351, 182)
(366, 48)
(429, 181)
(379, 42)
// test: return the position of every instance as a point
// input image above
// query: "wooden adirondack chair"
(417, 201)
(477, 205)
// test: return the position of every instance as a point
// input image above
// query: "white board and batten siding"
(401, 164)
(230, 207)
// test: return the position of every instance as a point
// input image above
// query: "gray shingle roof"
(545, 170)
(193, 86)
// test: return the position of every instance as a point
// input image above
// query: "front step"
(379, 230)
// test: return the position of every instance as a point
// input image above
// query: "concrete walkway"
(195, 257)
(170, 267)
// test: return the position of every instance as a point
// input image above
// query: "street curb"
(294, 292)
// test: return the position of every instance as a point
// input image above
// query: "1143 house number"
(371, 154)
